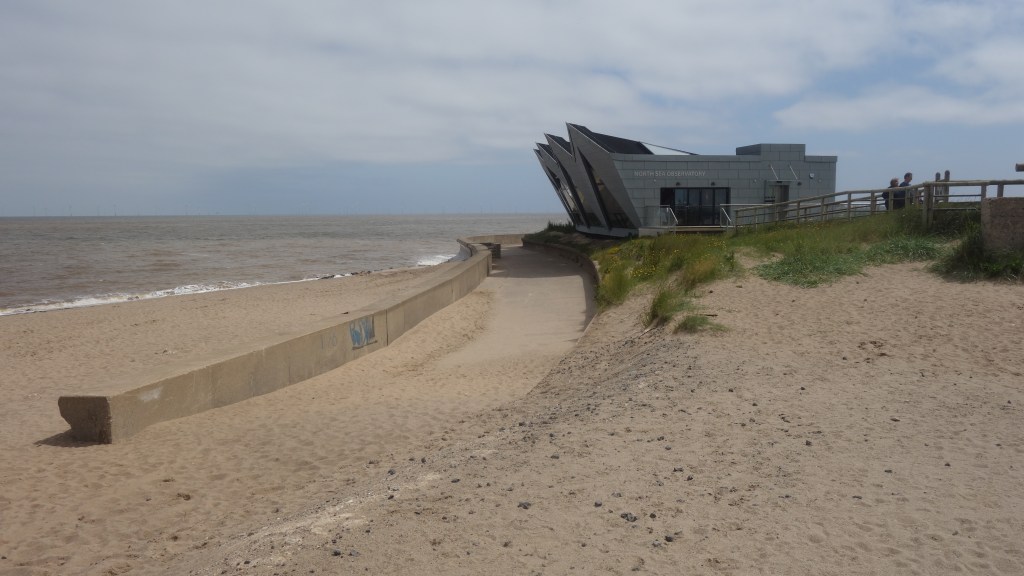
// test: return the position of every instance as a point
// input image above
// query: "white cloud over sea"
(338, 107)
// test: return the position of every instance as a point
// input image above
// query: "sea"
(56, 263)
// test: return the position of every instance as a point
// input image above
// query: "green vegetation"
(693, 323)
(969, 260)
(667, 302)
(680, 263)
(563, 234)
(560, 227)
(814, 254)
(803, 255)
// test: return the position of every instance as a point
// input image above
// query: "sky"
(355, 107)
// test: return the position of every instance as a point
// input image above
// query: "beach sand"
(872, 426)
(145, 505)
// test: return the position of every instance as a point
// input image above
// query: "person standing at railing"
(890, 197)
(908, 194)
(899, 195)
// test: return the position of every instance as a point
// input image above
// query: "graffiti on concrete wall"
(362, 332)
(328, 340)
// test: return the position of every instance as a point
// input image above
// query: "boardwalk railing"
(931, 197)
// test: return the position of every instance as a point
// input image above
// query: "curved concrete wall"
(579, 258)
(122, 409)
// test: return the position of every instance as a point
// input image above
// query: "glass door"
(697, 206)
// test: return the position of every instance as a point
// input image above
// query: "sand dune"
(867, 427)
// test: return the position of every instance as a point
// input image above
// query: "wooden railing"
(938, 195)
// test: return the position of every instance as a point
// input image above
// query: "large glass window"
(696, 206)
(568, 198)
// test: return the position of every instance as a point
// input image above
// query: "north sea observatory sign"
(667, 173)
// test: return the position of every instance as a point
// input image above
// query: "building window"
(696, 206)
(568, 198)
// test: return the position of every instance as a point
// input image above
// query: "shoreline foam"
(119, 298)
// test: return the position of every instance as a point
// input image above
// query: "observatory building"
(612, 186)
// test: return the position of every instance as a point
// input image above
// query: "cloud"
(961, 67)
(896, 106)
(114, 94)
(228, 82)
(995, 65)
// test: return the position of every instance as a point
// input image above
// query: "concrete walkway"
(542, 304)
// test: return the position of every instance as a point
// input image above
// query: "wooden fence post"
(926, 213)
(938, 190)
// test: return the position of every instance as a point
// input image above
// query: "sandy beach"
(145, 505)
(872, 426)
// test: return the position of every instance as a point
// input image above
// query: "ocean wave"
(126, 297)
(434, 260)
(118, 298)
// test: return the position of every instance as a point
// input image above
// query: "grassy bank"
(803, 255)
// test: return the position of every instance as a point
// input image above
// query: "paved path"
(542, 304)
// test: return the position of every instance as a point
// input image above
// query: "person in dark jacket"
(907, 194)
(887, 196)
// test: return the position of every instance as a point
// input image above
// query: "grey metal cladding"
(559, 141)
(545, 163)
(550, 167)
(591, 148)
(577, 180)
(563, 189)
(608, 143)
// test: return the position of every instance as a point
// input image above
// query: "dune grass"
(969, 261)
(822, 252)
(807, 255)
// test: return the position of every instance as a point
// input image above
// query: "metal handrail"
(857, 203)
(727, 218)
(668, 210)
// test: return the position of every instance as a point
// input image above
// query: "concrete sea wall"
(574, 256)
(120, 409)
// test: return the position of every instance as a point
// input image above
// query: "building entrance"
(777, 193)
(696, 206)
